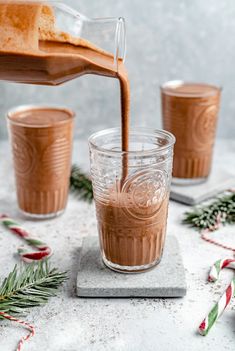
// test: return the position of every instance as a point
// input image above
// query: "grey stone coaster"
(94, 279)
(219, 181)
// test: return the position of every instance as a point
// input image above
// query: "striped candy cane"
(43, 249)
(27, 325)
(218, 266)
(225, 299)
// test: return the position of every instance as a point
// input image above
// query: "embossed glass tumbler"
(189, 111)
(41, 138)
(131, 213)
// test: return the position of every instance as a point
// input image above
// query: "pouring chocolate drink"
(50, 43)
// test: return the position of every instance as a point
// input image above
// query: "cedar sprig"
(29, 286)
(81, 184)
(221, 210)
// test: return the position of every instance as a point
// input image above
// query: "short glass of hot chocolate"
(41, 138)
(131, 191)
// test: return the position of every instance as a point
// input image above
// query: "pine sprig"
(29, 286)
(81, 184)
(221, 210)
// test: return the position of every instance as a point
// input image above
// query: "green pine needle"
(206, 217)
(81, 184)
(29, 286)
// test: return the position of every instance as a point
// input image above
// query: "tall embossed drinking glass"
(41, 139)
(190, 111)
(131, 213)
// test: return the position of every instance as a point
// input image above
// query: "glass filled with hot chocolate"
(41, 140)
(190, 112)
(131, 192)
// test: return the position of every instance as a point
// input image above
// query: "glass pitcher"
(53, 43)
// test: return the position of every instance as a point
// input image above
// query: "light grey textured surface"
(166, 39)
(218, 181)
(94, 279)
(69, 323)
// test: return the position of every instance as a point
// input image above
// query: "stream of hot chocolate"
(56, 57)
(125, 113)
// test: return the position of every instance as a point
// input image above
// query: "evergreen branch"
(29, 286)
(81, 184)
(221, 210)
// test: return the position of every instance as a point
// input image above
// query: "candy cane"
(218, 266)
(44, 249)
(27, 325)
(225, 299)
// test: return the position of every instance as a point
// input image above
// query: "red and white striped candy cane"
(27, 325)
(43, 249)
(225, 299)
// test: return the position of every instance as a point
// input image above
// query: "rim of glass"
(172, 84)
(23, 108)
(145, 130)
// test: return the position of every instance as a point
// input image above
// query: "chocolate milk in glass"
(41, 139)
(128, 240)
(190, 111)
(132, 216)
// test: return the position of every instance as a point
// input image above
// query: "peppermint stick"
(27, 325)
(43, 249)
(225, 299)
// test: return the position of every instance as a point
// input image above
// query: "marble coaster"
(96, 280)
(218, 181)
